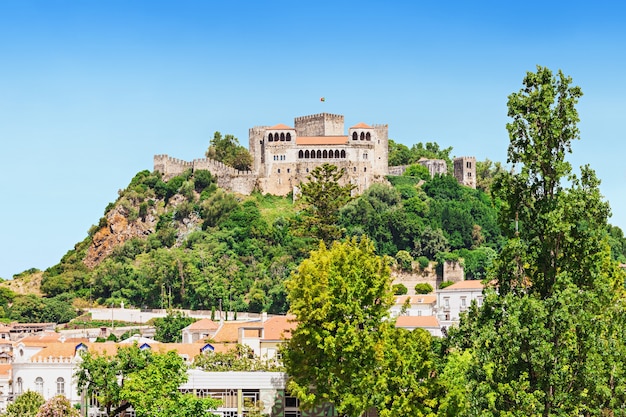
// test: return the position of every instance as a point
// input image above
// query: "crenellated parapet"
(284, 156)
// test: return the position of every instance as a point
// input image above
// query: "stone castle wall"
(279, 166)
(228, 178)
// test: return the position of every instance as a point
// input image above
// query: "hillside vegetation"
(186, 243)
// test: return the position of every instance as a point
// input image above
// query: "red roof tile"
(417, 321)
(279, 327)
(465, 285)
(280, 126)
(321, 140)
(204, 324)
(361, 126)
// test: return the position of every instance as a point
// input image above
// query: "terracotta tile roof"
(190, 349)
(321, 140)
(41, 339)
(204, 324)
(417, 321)
(416, 299)
(229, 331)
(361, 126)
(465, 285)
(55, 350)
(280, 126)
(5, 370)
(279, 327)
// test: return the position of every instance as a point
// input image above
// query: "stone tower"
(465, 170)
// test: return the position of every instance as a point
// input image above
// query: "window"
(325, 154)
(300, 154)
(446, 302)
(39, 385)
(468, 164)
(319, 153)
(355, 136)
(270, 138)
(60, 386)
(20, 386)
(368, 136)
(279, 170)
(288, 170)
(282, 137)
(463, 302)
(479, 301)
(364, 155)
(288, 137)
(364, 169)
(306, 154)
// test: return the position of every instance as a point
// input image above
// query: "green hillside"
(186, 243)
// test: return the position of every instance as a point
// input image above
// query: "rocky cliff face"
(118, 230)
(124, 224)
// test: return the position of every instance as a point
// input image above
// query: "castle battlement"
(280, 166)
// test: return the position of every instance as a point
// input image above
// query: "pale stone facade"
(283, 157)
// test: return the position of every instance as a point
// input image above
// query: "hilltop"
(185, 242)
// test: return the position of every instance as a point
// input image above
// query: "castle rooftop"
(281, 126)
(321, 140)
(361, 126)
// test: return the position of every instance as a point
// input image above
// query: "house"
(428, 323)
(414, 305)
(200, 330)
(455, 299)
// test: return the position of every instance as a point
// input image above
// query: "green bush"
(405, 260)
(423, 262)
(423, 288)
(445, 284)
(399, 289)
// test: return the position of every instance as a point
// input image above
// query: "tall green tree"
(142, 379)
(227, 149)
(322, 197)
(168, 328)
(540, 344)
(345, 350)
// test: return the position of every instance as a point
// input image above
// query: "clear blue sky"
(91, 90)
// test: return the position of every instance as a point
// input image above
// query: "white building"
(453, 300)
(414, 305)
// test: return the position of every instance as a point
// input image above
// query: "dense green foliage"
(25, 405)
(226, 149)
(168, 328)
(345, 350)
(142, 379)
(201, 247)
(551, 340)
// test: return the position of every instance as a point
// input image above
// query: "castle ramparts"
(282, 158)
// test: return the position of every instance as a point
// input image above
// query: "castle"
(284, 156)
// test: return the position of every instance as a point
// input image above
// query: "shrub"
(423, 288)
(405, 260)
(399, 289)
(445, 284)
(423, 262)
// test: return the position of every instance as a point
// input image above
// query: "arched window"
(300, 154)
(39, 385)
(364, 155)
(282, 137)
(270, 138)
(325, 154)
(368, 136)
(355, 136)
(60, 386)
(306, 154)
(20, 386)
(362, 136)
(336, 153)
(343, 153)
(319, 153)
(288, 137)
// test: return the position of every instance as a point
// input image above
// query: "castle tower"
(465, 170)
(323, 124)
